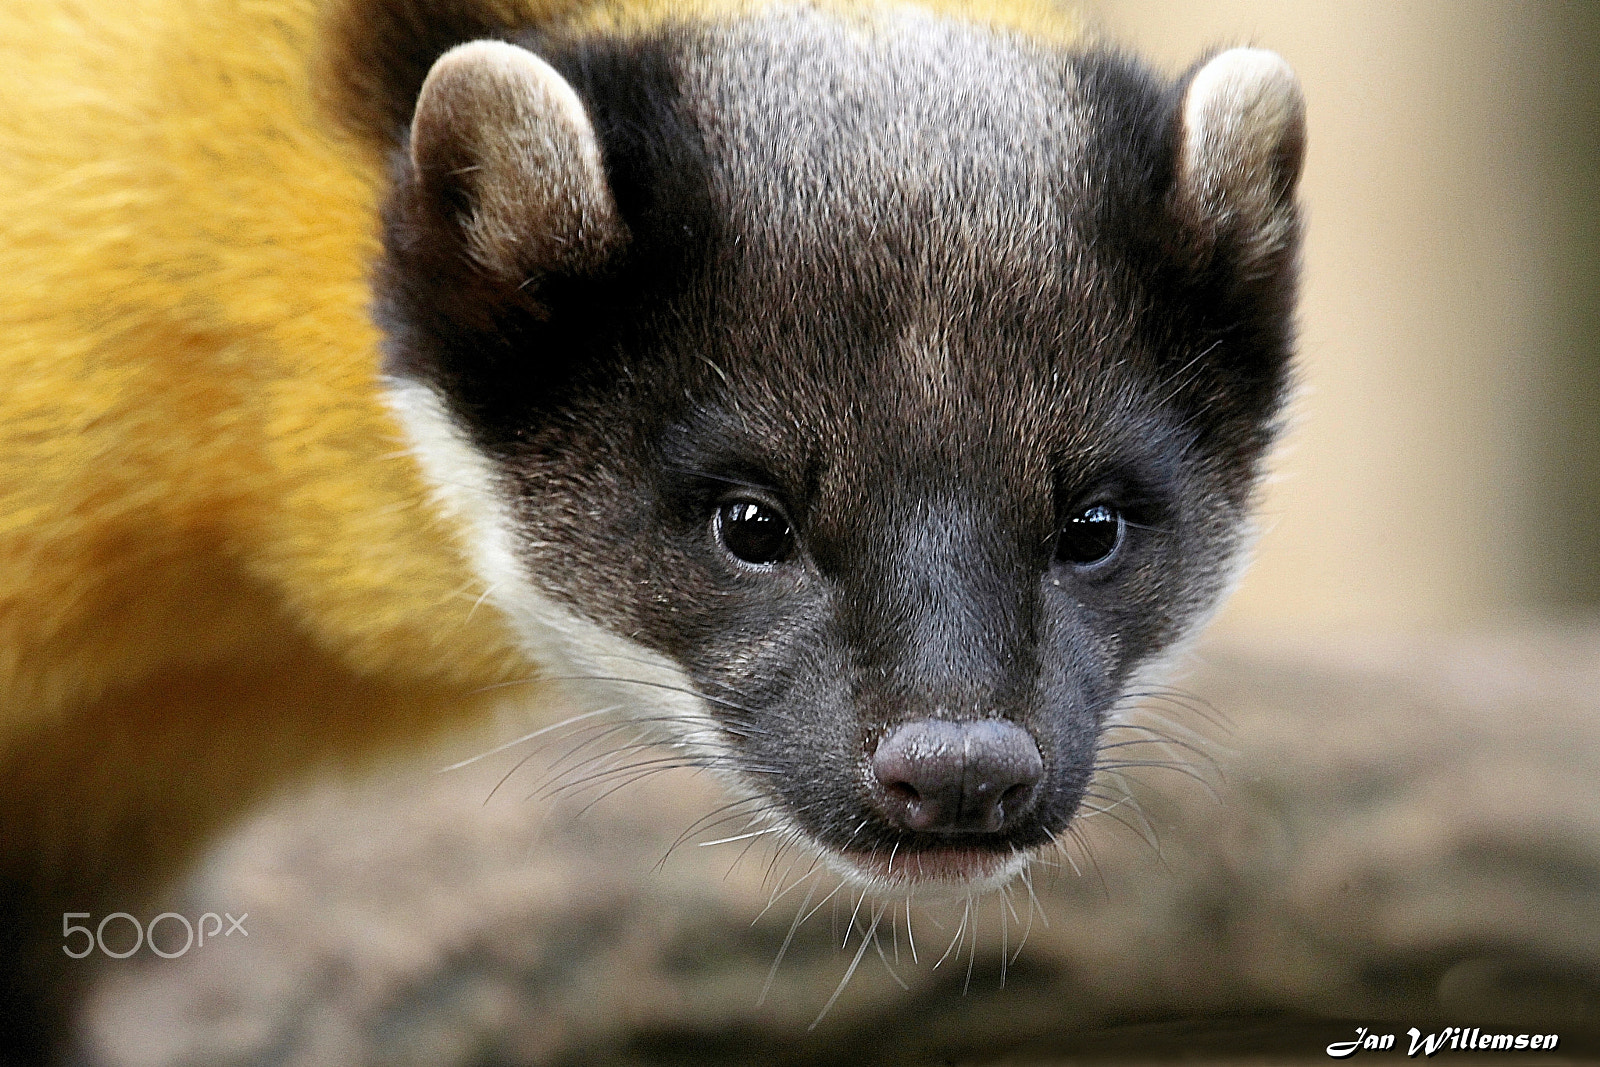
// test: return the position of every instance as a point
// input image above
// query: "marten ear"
(502, 148)
(1241, 142)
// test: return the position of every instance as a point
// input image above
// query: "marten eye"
(754, 533)
(1091, 536)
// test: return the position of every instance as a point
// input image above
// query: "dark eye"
(1091, 536)
(754, 533)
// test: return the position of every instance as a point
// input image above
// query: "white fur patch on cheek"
(596, 666)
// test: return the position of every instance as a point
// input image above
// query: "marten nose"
(956, 777)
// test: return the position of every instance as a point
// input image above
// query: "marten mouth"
(935, 868)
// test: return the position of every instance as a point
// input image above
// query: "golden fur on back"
(218, 559)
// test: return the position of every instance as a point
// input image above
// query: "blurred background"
(1444, 465)
(1398, 714)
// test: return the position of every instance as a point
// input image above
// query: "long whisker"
(595, 737)
(784, 842)
(783, 949)
(1144, 831)
(1156, 738)
(672, 761)
(625, 681)
(526, 738)
(650, 663)
(870, 938)
(1167, 765)
(901, 982)
(961, 930)
(1077, 835)
(1033, 900)
(641, 776)
(910, 937)
(740, 837)
(823, 902)
(1189, 702)
(732, 811)
(972, 960)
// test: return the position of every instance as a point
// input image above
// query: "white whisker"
(870, 938)
(739, 837)
(783, 949)
(526, 738)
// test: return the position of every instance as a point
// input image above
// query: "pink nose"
(956, 777)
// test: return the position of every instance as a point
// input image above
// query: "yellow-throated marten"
(871, 391)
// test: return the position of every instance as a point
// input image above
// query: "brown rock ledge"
(1404, 833)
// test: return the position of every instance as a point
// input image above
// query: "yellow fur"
(199, 483)
(217, 562)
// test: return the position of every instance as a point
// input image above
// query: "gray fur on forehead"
(824, 127)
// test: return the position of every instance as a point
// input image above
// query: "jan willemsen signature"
(1450, 1039)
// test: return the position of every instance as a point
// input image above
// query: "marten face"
(871, 403)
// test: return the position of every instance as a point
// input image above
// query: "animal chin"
(930, 872)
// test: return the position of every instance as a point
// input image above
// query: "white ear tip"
(1244, 87)
(484, 63)
(501, 128)
(1243, 141)
(1250, 64)
(492, 57)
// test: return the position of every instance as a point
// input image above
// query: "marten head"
(871, 398)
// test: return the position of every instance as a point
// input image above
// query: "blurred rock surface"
(1388, 833)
